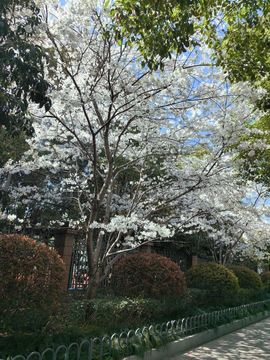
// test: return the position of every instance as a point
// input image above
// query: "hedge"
(217, 283)
(247, 278)
(148, 275)
(265, 277)
(31, 278)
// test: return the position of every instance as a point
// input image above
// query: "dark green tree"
(21, 64)
(255, 158)
(241, 39)
(158, 28)
(237, 31)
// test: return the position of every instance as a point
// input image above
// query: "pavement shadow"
(250, 343)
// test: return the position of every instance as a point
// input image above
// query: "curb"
(182, 345)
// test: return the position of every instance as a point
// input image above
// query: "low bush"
(265, 277)
(80, 319)
(247, 278)
(148, 275)
(24, 343)
(133, 312)
(31, 277)
(216, 283)
(122, 311)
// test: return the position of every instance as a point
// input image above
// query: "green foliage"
(157, 27)
(147, 275)
(241, 49)
(218, 284)
(21, 64)
(265, 277)
(246, 296)
(31, 277)
(11, 147)
(255, 163)
(247, 278)
(237, 31)
(80, 319)
(25, 342)
(119, 313)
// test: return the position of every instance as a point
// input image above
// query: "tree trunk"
(94, 284)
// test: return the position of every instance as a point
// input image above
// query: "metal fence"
(136, 341)
(79, 274)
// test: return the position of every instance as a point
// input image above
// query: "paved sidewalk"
(250, 343)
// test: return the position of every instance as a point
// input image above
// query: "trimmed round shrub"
(265, 277)
(31, 278)
(217, 283)
(147, 275)
(247, 278)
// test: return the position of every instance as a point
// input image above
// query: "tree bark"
(94, 284)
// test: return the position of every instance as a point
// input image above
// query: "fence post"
(194, 260)
(64, 241)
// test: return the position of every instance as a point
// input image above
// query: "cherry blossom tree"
(129, 155)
